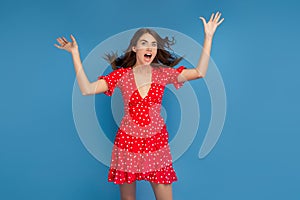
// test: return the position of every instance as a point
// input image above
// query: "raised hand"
(66, 45)
(211, 26)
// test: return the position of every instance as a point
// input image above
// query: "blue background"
(255, 49)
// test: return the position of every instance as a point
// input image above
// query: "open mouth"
(148, 55)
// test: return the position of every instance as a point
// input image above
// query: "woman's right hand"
(66, 45)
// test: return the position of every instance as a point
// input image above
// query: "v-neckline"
(136, 86)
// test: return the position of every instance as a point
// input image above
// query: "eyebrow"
(147, 41)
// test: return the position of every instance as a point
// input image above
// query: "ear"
(133, 49)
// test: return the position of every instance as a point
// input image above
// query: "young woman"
(141, 150)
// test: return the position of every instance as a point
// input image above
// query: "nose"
(149, 47)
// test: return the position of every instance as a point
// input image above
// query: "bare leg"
(162, 191)
(128, 191)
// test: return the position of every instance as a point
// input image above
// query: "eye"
(143, 43)
(154, 44)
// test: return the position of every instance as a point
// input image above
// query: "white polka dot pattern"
(141, 150)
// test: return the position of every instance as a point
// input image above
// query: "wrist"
(208, 37)
(74, 51)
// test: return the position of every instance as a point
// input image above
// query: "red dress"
(141, 149)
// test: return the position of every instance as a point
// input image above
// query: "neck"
(141, 68)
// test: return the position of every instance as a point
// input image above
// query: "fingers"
(211, 17)
(214, 18)
(217, 17)
(72, 38)
(58, 46)
(65, 44)
(62, 41)
(203, 20)
(220, 21)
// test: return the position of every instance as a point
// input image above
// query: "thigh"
(128, 191)
(162, 191)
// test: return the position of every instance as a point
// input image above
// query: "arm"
(200, 70)
(86, 87)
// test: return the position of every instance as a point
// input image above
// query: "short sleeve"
(172, 74)
(112, 80)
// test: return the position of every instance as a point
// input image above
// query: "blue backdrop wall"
(255, 49)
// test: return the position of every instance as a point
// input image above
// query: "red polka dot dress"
(141, 150)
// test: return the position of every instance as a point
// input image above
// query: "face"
(145, 49)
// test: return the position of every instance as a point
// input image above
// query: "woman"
(141, 150)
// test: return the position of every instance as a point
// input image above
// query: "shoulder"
(122, 70)
(167, 69)
(118, 73)
(115, 74)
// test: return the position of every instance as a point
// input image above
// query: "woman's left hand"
(211, 26)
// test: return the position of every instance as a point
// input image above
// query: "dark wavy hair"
(162, 58)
